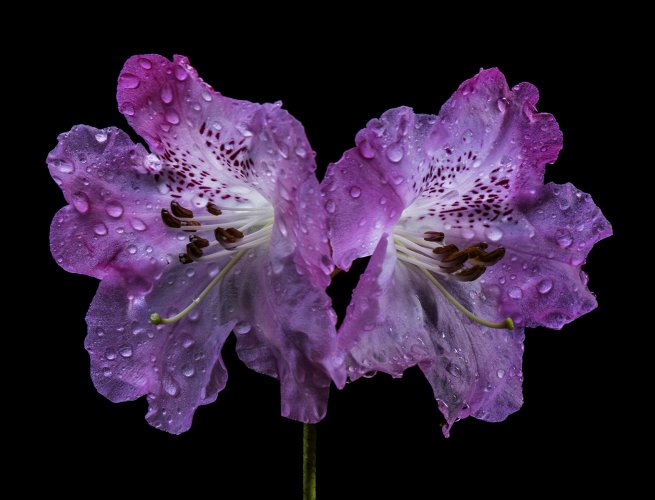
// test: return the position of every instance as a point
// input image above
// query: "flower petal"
(540, 281)
(398, 319)
(202, 136)
(369, 187)
(112, 222)
(286, 330)
(178, 366)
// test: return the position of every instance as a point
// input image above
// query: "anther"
(185, 259)
(227, 236)
(446, 250)
(199, 241)
(179, 211)
(213, 209)
(169, 220)
(491, 258)
(469, 273)
(434, 236)
(193, 251)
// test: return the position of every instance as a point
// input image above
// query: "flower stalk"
(309, 462)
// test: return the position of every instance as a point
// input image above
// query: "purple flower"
(220, 228)
(466, 242)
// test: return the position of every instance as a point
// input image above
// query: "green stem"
(309, 462)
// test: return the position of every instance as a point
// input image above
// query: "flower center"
(224, 232)
(432, 256)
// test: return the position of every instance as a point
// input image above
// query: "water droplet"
(137, 224)
(476, 163)
(242, 327)
(564, 238)
(188, 370)
(114, 209)
(301, 152)
(454, 370)
(494, 233)
(330, 206)
(500, 373)
(166, 93)
(131, 249)
(355, 192)
(172, 117)
(100, 229)
(515, 292)
(398, 179)
(64, 167)
(129, 81)
(101, 136)
(125, 351)
(206, 96)
(468, 233)
(395, 152)
(467, 135)
(145, 63)
(180, 73)
(127, 109)
(544, 286)
(170, 385)
(110, 354)
(148, 249)
(383, 201)
(81, 202)
(502, 104)
(106, 371)
(365, 149)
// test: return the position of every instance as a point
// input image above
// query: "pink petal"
(178, 366)
(112, 222)
(398, 319)
(285, 330)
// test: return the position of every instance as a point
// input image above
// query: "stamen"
(199, 241)
(185, 259)
(446, 250)
(193, 251)
(169, 220)
(156, 319)
(179, 211)
(227, 236)
(507, 323)
(469, 273)
(213, 209)
(490, 258)
(434, 236)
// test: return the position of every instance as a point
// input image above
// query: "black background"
(381, 436)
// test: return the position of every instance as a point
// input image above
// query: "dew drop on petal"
(114, 209)
(500, 373)
(166, 93)
(544, 286)
(129, 81)
(145, 63)
(81, 202)
(110, 354)
(106, 371)
(64, 167)
(188, 370)
(152, 162)
(131, 249)
(101, 136)
(137, 224)
(395, 152)
(172, 117)
(355, 192)
(170, 385)
(180, 73)
(127, 109)
(493, 233)
(365, 149)
(468, 233)
(242, 327)
(125, 351)
(100, 229)
(564, 238)
(502, 104)
(330, 206)
(515, 292)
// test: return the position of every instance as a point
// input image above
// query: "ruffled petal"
(286, 330)
(369, 187)
(398, 319)
(178, 366)
(203, 137)
(112, 222)
(540, 281)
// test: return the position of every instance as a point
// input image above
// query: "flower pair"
(223, 228)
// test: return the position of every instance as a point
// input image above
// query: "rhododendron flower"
(468, 246)
(219, 228)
